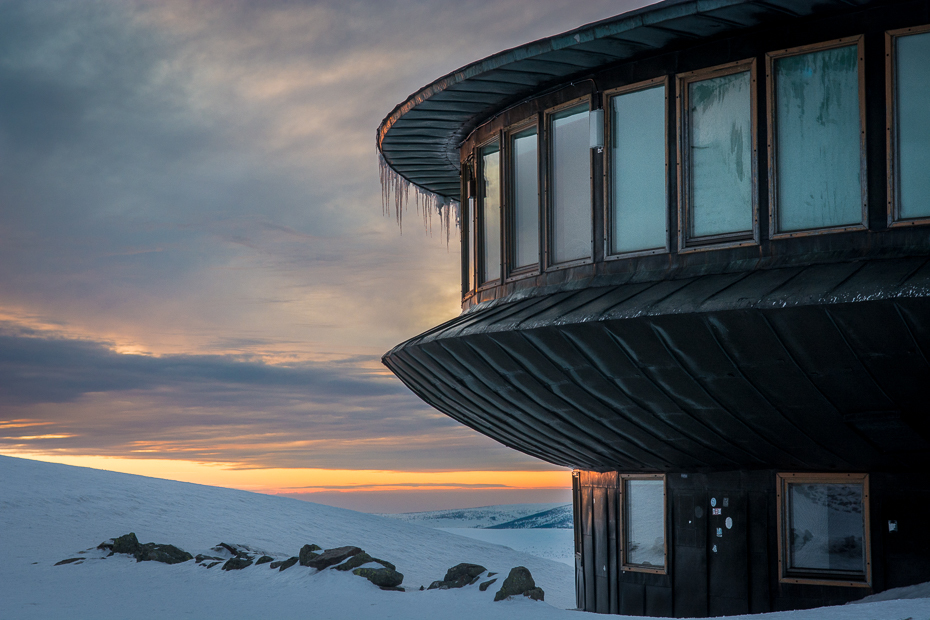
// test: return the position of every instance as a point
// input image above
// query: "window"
(823, 528)
(571, 217)
(717, 168)
(469, 238)
(489, 212)
(524, 223)
(908, 75)
(637, 194)
(643, 523)
(817, 145)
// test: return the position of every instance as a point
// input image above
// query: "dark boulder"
(486, 584)
(127, 543)
(168, 554)
(307, 553)
(382, 577)
(284, 564)
(536, 594)
(459, 576)
(201, 557)
(233, 550)
(393, 588)
(363, 558)
(237, 563)
(211, 564)
(519, 581)
(331, 557)
(263, 560)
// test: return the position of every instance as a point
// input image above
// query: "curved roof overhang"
(420, 138)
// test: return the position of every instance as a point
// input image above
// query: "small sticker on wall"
(713, 501)
(726, 502)
(719, 532)
(729, 523)
(717, 511)
(714, 548)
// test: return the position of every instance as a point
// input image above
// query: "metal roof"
(420, 138)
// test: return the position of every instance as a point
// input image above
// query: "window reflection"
(489, 186)
(826, 528)
(525, 234)
(644, 522)
(912, 117)
(571, 214)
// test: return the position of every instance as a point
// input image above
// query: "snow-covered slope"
(560, 517)
(486, 516)
(51, 512)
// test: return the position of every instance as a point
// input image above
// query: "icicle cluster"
(395, 196)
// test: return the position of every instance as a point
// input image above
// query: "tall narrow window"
(718, 174)
(817, 147)
(489, 188)
(910, 94)
(471, 231)
(638, 208)
(643, 519)
(524, 234)
(824, 528)
(571, 217)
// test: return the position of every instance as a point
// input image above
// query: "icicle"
(396, 189)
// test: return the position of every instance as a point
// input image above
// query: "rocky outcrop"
(486, 584)
(381, 577)
(361, 559)
(238, 563)
(284, 564)
(68, 561)
(264, 560)
(149, 552)
(331, 557)
(307, 553)
(518, 582)
(459, 576)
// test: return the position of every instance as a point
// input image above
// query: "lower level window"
(643, 518)
(824, 528)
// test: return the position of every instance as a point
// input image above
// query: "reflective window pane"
(525, 234)
(489, 184)
(720, 154)
(817, 132)
(570, 176)
(644, 522)
(472, 237)
(826, 527)
(912, 82)
(637, 173)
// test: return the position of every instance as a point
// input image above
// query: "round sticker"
(729, 523)
(713, 501)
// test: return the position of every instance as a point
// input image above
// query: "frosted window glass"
(490, 188)
(644, 522)
(638, 202)
(526, 199)
(720, 154)
(826, 527)
(572, 217)
(912, 99)
(817, 140)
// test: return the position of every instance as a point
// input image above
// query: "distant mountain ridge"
(561, 517)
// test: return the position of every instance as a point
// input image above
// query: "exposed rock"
(284, 564)
(519, 581)
(459, 576)
(307, 553)
(201, 557)
(491, 574)
(536, 594)
(212, 564)
(422, 588)
(229, 548)
(330, 557)
(169, 554)
(263, 560)
(485, 585)
(68, 561)
(382, 577)
(393, 588)
(363, 558)
(127, 543)
(237, 563)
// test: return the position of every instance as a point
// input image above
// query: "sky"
(196, 278)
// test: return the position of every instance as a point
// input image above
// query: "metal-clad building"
(696, 269)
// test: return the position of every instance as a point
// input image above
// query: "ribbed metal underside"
(420, 138)
(824, 367)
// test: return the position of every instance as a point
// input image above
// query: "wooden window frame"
(640, 568)
(770, 58)
(664, 81)
(510, 273)
(726, 240)
(891, 127)
(479, 216)
(811, 577)
(547, 186)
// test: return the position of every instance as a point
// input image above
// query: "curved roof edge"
(420, 138)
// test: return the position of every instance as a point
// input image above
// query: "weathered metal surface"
(458, 102)
(820, 367)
